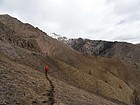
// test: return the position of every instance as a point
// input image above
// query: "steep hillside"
(73, 78)
(23, 85)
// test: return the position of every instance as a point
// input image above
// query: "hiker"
(46, 69)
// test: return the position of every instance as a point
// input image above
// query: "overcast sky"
(95, 19)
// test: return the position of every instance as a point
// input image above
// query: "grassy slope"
(124, 70)
(73, 68)
(113, 89)
(21, 84)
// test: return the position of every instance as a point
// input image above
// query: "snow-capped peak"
(59, 37)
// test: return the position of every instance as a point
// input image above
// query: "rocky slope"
(121, 50)
(74, 78)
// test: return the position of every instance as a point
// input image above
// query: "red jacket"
(46, 68)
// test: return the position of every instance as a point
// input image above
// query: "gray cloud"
(95, 19)
(127, 7)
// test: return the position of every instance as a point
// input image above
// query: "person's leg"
(46, 74)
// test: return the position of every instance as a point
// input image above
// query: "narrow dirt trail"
(51, 92)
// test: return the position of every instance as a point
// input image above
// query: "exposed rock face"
(119, 50)
(76, 78)
(90, 47)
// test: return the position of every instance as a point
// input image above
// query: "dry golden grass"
(114, 88)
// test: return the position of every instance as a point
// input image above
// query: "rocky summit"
(81, 71)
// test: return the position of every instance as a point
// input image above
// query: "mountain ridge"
(103, 48)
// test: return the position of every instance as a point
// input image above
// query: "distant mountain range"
(121, 50)
(81, 71)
